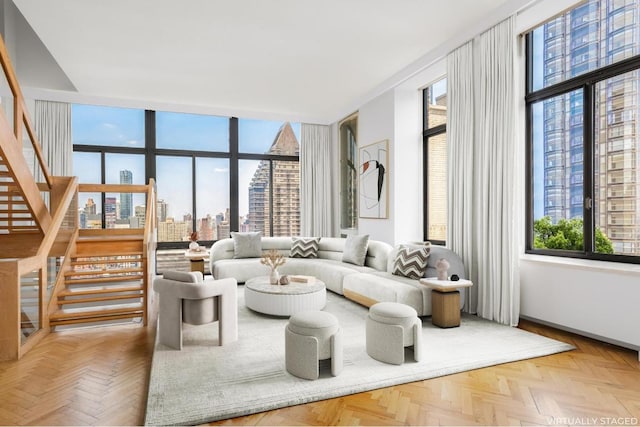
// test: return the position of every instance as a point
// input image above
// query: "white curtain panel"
(490, 195)
(316, 206)
(460, 164)
(52, 123)
(496, 145)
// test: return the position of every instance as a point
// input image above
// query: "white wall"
(375, 123)
(597, 299)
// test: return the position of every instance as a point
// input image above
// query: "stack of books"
(302, 279)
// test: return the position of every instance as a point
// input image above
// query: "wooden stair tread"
(94, 239)
(63, 322)
(110, 254)
(96, 291)
(106, 261)
(129, 278)
(103, 272)
(106, 312)
(99, 299)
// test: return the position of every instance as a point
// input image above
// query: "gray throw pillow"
(355, 249)
(247, 245)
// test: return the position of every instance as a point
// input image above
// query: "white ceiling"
(309, 59)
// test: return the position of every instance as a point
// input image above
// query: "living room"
(594, 298)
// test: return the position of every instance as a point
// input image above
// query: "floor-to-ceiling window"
(214, 174)
(109, 148)
(435, 161)
(583, 71)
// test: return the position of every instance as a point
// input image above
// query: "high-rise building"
(90, 217)
(171, 231)
(437, 170)
(126, 199)
(593, 35)
(286, 189)
(110, 212)
(162, 210)
(206, 228)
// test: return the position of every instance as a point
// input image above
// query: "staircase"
(51, 273)
(106, 281)
(15, 215)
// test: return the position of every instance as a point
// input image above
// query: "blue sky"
(124, 127)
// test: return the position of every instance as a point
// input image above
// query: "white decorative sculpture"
(442, 266)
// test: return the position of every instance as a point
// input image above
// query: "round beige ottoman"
(311, 336)
(391, 327)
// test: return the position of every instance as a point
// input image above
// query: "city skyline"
(122, 127)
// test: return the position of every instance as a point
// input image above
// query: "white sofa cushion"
(331, 272)
(385, 287)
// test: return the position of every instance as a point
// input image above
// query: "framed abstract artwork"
(373, 180)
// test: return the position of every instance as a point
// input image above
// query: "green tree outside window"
(566, 234)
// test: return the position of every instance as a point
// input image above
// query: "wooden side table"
(196, 259)
(445, 300)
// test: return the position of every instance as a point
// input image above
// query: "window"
(109, 149)
(348, 131)
(206, 182)
(583, 135)
(435, 162)
(269, 190)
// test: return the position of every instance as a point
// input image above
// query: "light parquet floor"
(100, 376)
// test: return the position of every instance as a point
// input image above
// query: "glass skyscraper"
(593, 35)
(126, 199)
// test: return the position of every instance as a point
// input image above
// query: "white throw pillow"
(247, 245)
(355, 249)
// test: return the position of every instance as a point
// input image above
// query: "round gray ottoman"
(391, 327)
(311, 336)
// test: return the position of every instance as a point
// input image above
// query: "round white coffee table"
(284, 300)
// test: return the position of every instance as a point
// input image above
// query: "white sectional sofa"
(366, 284)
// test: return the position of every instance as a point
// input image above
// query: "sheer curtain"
(316, 206)
(460, 162)
(52, 123)
(485, 214)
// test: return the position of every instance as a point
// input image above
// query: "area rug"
(205, 382)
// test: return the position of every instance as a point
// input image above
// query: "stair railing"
(21, 121)
(26, 283)
(149, 244)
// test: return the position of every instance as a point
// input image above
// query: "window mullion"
(588, 165)
(194, 218)
(271, 210)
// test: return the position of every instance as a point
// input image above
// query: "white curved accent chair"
(185, 297)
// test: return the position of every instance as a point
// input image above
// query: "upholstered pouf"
(391, 327)
(312, 336)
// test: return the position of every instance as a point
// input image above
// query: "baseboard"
(583, 333)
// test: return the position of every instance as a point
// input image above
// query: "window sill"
(584, 264)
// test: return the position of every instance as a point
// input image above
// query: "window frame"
(428, 133)
(586, 83)
(150, 151)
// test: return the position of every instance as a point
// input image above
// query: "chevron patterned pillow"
(305, 247)
(411, 262)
